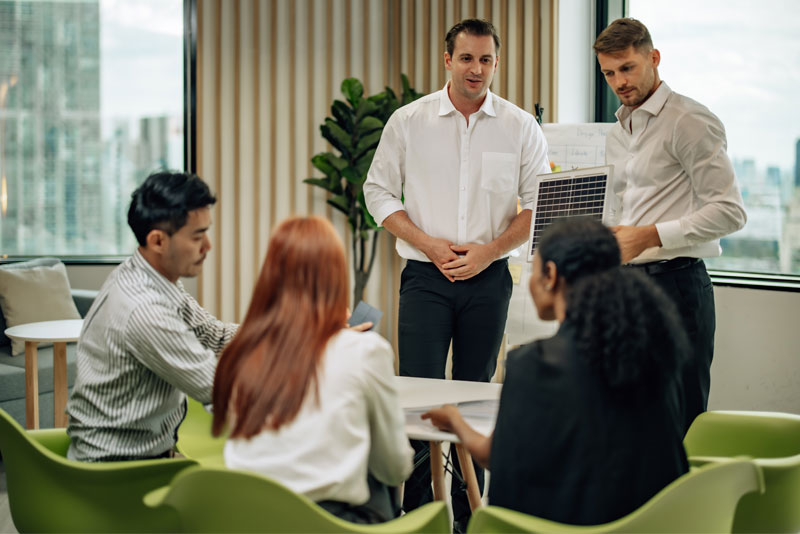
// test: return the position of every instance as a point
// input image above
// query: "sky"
(141, 58)
(741, 59)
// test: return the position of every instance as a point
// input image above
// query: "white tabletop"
(478, 404)
(47, 331)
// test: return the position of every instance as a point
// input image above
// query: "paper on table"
(480, 415)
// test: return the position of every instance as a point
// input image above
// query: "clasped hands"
(459, 262)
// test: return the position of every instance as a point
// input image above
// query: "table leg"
(60, 384)
(468, 472)
(437, 470)
(31, 385)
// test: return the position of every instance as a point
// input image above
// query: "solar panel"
(575, 193)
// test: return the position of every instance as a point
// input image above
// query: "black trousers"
(687, 282)
(433, 311)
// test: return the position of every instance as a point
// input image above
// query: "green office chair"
(773, 441)
(213, 499)
(194, 436)
(49, 493)
(703, 500)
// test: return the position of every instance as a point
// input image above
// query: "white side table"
(58, 333)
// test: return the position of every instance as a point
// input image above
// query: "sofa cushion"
(12, 372)
(34, 293)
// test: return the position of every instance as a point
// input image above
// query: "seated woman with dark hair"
(590, 420)
(309, 402)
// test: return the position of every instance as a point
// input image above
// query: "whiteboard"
(569, 146)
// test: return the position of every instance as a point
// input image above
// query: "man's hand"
(438, 251)
(473, 259)
(633, 240)
(443, 418)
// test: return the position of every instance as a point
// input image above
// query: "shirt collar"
(173, 291)
(652, 105)
(446, 105)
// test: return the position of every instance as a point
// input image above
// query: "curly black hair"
(627, 328)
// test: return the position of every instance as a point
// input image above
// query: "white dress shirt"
(357, 426)
(459, 182)
(671, 169)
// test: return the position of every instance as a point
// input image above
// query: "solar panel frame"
(574, 193)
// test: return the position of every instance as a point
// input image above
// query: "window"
(91, 101)
(741, 61)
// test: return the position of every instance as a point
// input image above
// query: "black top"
(568, 449)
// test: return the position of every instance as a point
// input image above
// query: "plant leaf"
(352, 175)
(366, 107)
(324, 183)
(353, 91)
(364, 161)
(368, 218)
(369, 124)
(322, 163)
(367, 142)
(335, 160)
(336, 136)
(340, 203)
(343, 114)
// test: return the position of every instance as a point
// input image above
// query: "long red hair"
(299, 303)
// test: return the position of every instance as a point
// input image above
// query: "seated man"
(146, 342)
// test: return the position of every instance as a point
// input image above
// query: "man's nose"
(207, 243)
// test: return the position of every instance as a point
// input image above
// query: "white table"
(418, 394)
(59, 333)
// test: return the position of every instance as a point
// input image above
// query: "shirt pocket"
(498, 171)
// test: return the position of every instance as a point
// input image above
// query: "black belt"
(658, 267)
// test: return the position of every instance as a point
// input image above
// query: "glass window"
(91, 101)
(742, 61)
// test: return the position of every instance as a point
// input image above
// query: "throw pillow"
(33, 295)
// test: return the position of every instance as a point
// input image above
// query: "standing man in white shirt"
(674, 186)
(445, 180)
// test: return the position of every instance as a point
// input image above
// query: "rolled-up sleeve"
(533, 161)
(383, 189)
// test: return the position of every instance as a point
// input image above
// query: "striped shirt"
(145, 343)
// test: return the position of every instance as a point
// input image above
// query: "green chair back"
(702, 500)
(194, 436)
(214, 499)
(49, 493)
(773, 441)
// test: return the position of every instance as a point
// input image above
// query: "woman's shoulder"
(361, 345)
(548, 353)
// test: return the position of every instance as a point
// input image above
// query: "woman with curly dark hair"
(590, 424)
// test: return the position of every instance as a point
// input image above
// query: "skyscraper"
(50, 127)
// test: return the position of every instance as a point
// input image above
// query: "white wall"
(757, 351)
(575, 61)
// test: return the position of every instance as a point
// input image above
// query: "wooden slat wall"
(268, 71)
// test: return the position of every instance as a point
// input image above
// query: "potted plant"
(354, 131)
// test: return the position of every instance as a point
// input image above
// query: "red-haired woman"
(311, 403)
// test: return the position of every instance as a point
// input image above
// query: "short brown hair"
(471, 27)
(621, 34)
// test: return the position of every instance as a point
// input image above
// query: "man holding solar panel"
(675, 188)
(445, 180)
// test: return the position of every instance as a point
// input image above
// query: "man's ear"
(655, 57)
(551, 273)
(156, 240)
(448, 61)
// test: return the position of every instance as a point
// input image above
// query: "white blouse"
(355, 428)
